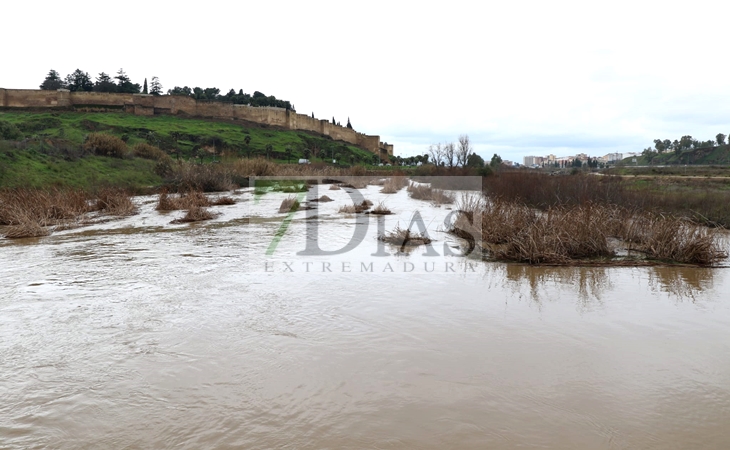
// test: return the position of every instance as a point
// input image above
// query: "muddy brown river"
(138, 333)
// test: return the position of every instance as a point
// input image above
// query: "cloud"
(519, 77)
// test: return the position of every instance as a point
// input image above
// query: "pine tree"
(155, 86)
(52, 81)
(144, 89)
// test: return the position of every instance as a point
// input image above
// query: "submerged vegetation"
(405, 238)
(590, 232)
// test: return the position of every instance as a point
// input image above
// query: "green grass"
(29, 168)
(49, 150)
(182, 134)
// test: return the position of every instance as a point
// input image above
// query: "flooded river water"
(137, 333)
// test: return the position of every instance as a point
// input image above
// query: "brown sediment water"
(139, 333)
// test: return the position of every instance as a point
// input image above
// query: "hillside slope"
(45, 148)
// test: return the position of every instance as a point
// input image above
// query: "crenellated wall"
(148, 105)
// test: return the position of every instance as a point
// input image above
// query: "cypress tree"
(144, 89)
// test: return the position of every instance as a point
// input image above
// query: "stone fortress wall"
(148, 105)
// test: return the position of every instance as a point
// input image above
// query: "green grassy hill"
(45, 148)
(719, 155)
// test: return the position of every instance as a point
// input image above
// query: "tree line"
(684, 143)
(458, 154)
(78, 80)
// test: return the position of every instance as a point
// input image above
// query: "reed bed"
(44, 206)
(31, 212)
(512, 231)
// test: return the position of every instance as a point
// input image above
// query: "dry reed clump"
(187, 176)
(222, 201)
(334, 187)
(187, 200)
(323, 199)
(425, 192)
(355, 182)
(289, 204)
(381, 210)
(147, 151)
(676, 239)
(394, 184)
(115, 202)
(356, 208)
(26, 228)
(43, 206)
(405, 238)
(105, 145)
(258, 167)
(195, 214)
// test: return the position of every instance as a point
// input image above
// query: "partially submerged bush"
(405, 238)
(26, 229)
(381, 209)
(289, 204)
(187, 200)
(565, 234)
(222, 201)
(322, 199)
(195, 214)
(356, 208)
(44, 206)
(115, 202)
(105, 145)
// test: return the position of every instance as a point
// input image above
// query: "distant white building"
(613, 157)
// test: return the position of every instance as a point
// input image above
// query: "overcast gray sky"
(520, 77)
